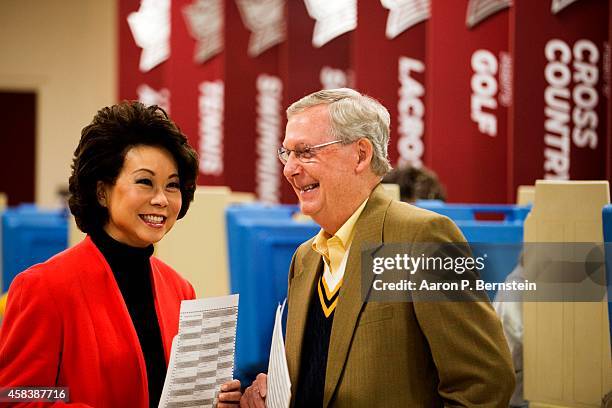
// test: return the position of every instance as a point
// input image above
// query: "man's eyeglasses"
(304, 154)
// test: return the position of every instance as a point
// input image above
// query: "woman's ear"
(365, 150)
(101, 193)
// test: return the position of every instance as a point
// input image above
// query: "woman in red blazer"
(99, 318)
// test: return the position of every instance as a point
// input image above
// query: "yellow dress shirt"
(334, 250)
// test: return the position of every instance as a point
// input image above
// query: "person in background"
(416, 183)
(509, 308)
(342, 349)
(99, 318)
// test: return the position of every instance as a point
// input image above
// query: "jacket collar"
(368, 232)
(99, 283)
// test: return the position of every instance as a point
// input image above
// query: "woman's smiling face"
(145, 200)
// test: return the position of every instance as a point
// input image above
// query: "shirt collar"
(344, 234)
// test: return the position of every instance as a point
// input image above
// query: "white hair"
(353, 116)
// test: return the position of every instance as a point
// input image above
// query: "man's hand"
(255, 395)
(230, 394)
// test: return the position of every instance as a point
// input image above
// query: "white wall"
(66, 52)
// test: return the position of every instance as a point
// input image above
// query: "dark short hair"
(101, 152)
(416, 183)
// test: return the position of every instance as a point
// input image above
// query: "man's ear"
(101, 193)
(365, 151)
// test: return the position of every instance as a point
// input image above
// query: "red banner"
(559, 114)
(317, 53)
(254, 115)
(469, 89)
(196, 83)
(171, 55)
(394, 32)
(144, 48)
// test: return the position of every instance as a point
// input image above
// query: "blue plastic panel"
(263, 286)
(236, 240)
(30, 236)
(501, 241)
(607, 232)
(262, 242)
(469, 212)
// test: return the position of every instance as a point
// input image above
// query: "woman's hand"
(230, 394)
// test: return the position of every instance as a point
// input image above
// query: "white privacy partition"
(567, 359)
(197, 245)
(75, 235)
(525, 195)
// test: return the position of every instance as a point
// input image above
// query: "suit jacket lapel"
(301, 287)
(368, 231)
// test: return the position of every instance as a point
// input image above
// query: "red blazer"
(66, 324)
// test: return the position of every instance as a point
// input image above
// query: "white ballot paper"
(279, 383)
(202, 356)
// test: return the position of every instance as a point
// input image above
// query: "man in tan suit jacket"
(343, 351)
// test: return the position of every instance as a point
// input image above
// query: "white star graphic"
(334, 18)
(558, 5)
(479, 10)
(266, 21)
(150, 26)
(404, 14)
(204, 20)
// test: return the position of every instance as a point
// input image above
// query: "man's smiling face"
(323, 182)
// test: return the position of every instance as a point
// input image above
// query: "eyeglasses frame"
(309, 149)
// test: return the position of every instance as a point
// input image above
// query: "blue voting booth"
(501, 240)
(471, 212)
(235, 217)
(30, 235)
(262, 240)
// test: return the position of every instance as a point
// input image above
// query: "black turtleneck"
(132, 270)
